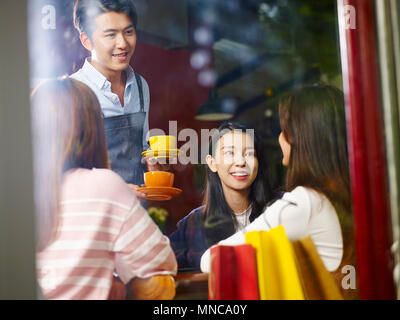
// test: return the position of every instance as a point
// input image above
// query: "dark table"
(191, 286)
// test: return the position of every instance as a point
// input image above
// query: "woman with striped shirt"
(89, 222)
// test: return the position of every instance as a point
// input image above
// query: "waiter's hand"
(158, 165)
(141, 196)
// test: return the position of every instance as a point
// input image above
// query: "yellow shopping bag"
(278, 278)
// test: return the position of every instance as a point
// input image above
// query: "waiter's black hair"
(86, 11)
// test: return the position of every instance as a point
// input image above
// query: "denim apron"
(125, 142)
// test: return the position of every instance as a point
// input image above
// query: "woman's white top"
(243, 219)
(302, 212)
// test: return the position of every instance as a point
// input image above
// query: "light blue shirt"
(109, 101)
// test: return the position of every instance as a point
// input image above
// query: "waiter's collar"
(130, 76)
(99, 79)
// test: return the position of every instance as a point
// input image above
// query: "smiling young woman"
(236, 164)
(236, 193)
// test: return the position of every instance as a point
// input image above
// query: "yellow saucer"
(159, 193)
(161, 153)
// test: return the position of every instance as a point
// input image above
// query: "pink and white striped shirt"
(102, 227)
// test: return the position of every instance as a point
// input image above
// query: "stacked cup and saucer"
(158, 183)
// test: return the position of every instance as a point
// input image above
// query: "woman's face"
(285, 146)
(235, 161)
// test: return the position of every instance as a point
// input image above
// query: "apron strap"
(139, 84)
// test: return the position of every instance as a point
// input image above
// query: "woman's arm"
(141, 249)
(292, 211)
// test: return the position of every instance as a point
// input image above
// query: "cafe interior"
(206, 62)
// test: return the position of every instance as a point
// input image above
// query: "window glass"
(206, 61)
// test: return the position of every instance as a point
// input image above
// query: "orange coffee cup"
(158, 179)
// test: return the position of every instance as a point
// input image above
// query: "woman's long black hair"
(219, 221)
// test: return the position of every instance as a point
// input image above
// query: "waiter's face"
(113, 42)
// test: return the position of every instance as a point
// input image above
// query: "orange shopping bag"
(317, 282)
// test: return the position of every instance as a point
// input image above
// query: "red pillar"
(366, 150)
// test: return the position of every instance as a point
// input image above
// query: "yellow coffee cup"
(162, 143)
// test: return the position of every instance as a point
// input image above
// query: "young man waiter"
(108, 30)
